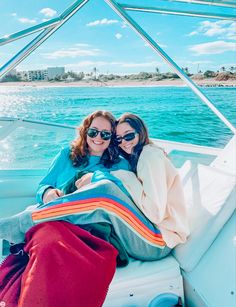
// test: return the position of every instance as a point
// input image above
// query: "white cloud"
(193, 64)
(197, 62)
(100, 22)
(27, 20)
(47, 12)
(82, 45)
(193, 33)
(71, 53)
(31, 66)
(118, 35)
(145, 64)
(161, 45)
(14, 14)
(216, 47)
(222, 29)
(105, 65)
(86, 64)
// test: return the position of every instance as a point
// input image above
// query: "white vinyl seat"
(141, 281)
(210, 194)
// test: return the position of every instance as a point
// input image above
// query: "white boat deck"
(210, 193)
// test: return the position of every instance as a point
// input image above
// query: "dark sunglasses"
(127, 137)
(93, 132)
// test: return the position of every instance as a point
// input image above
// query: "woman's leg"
(13, 228)
(10, 278)
(67, 267)
(103, 202)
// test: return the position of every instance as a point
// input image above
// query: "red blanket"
(10, 279)
(67, 267)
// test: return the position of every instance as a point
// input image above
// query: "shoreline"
(118, 83)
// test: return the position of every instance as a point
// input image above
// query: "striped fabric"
(83, 206)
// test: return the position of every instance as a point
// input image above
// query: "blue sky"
(97, 37)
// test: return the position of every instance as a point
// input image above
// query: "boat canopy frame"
(51, 26)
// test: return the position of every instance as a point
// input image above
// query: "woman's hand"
(84, 180)
(52, 194)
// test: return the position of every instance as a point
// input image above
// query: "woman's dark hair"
(79, 148)
(138, 125)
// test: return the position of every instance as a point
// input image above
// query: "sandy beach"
(126, 83)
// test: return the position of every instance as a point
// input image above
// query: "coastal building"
(55, 72)
(37, 75)
(40, 74)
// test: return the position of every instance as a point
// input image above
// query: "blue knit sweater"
(62, 170)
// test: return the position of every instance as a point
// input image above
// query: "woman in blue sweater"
(93, 150)
(101, 198)
(58, 252)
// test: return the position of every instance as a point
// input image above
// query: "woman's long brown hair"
(79, 148)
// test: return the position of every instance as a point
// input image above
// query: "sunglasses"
(127, 137)
(93, 132)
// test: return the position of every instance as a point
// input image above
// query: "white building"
(38, 75)
(54, 72)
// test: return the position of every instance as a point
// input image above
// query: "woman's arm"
(162, 199)
(152, 173)
(49, 182)
(149, 191)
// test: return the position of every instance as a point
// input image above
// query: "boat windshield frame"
(50, 27)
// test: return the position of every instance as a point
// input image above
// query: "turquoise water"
(172, 113)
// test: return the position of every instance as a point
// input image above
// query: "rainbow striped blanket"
(104, 202)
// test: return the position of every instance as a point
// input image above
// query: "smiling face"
(123, 129)
(97, 145)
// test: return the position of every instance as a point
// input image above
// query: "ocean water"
(171, 113)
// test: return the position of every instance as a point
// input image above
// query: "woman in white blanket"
(158, 193)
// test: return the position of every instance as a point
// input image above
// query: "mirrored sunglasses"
(127, 137)
(105, 135)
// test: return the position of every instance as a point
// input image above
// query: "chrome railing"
(136, 27)
(49, 29)
(161, 10)
(9, 124)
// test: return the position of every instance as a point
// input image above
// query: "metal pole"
(160, 10)
(224, 3)
(44, 25)
(173, 65)
(36, 42)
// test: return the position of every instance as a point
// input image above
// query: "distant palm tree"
(222, 68)
(157, 70)
(232, 68)
(95, 72)
(185, 69)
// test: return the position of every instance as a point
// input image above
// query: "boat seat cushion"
(139, 282)
(210, 196)
(18, 189)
